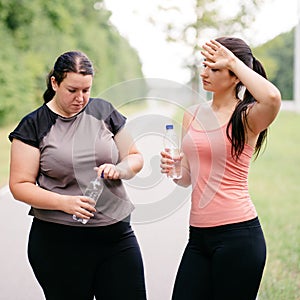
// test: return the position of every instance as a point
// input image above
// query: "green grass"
(4, 154)
(275, 189)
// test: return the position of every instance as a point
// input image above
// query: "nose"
(203, 71)
(79, 96)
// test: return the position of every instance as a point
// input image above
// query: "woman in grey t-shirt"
(54, 154)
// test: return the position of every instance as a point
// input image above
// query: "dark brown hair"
(72, 61)
(237, 125)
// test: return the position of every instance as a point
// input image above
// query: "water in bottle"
(171, 144)
(93, 191)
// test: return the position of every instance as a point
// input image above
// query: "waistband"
(245, 224)
(75, 233)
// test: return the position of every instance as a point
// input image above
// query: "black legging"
(80, 263)
(222, 263)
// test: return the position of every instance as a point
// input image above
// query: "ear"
(54, 83)
(236, 80)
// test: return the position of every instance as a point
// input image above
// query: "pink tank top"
(219, 183)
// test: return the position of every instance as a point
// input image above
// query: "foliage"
(207, 18)
(278, 57)
(34, 32)
(210, 18)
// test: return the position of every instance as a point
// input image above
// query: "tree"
(206, 19)
(34, 32)
(277, 56)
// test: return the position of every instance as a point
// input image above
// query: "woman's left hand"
(217, 56)
(109, 171)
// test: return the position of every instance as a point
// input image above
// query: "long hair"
(238, 124)
(72, 61)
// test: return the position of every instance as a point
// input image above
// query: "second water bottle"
(171, 144)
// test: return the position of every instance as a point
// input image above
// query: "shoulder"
(188, 117)
(100, 108)
(34, 126)
(104, 110)
(35, 113)
(99, 102)
(192, 109)
(40, 118)
(191, 112)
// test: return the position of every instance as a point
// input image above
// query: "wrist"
(232, 63)
(122, 171)
(59, 202)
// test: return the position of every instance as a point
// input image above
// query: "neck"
(52, 104)
(224, 102)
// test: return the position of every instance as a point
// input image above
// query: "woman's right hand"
(80, 206)
(167, 162)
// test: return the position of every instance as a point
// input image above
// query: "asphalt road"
(161, 242)
(17, 281)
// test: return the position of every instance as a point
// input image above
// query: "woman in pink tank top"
(226, 252)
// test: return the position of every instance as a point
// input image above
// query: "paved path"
(161, 242)
(17, 281)
(160, 222)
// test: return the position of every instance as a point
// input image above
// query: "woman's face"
(73, 93)
(217, 80)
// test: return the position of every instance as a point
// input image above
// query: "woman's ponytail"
(258, 68)
(238, 124)
(49, 93)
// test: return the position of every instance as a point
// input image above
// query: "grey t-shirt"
(70, 148)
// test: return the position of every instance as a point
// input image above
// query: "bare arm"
(131, 160)
(268, 97)
(24, 169)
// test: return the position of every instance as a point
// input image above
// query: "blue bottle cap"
(169, 126)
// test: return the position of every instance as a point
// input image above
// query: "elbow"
(129, 168)
(18, 188)
(140, 162)
(275, 99)
(182, 183)
(13, 190)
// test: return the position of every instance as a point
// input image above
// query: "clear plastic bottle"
(171, 144)
(93, 191)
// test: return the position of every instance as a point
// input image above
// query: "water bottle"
(171, 144)
(93, 191)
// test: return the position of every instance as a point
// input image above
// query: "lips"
(78, 106)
